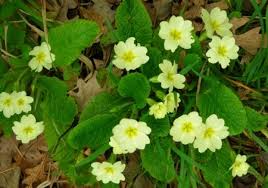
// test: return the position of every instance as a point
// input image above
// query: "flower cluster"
(43, 58)
(222, 50)
(15, 103)
(189, 129)
(171, 102)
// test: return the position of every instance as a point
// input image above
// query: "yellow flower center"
(128, 56)
(215, 25)
(28, 130)
(187, 127)
(131, 132)
(170, 76)
(7, 102)
(20, 102)
(237, 164)
(109, 170)
(209, 132)
(40, 57)
(222, 51)
(175, 34)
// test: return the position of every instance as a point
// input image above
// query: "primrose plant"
(168, 109)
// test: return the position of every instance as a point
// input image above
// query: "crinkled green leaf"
(160, 127)
(151, 68)
(157, 160)
(93, 132)
(216, 98)
(217, 166)
(133, 20)
(103, 103)
(136, 86)
(68, 40)
(256, 121)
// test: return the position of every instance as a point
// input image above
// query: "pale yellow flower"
(7, 104)
(129, 135)
(22, 102)
(171, 102)
(222, 51)
(216, 21)
(186, 127)
(158, 110)
(43, 58)
(27, 129)
(240, 166)
(128, 55)
(169, 78)
(211, 134)
(176, 32)
(108, 172)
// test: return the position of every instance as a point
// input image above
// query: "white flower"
(240, 167)
(159, 110)
(128, 55)
(210, 134)
(170, 101)
(7, 104)
(169, 77)
(186, 127)
(222, 51)
(22, 102)
(216, 21)
(27, 129)
(107, 172)
(176, 32)
(129, 135)
(43, 58)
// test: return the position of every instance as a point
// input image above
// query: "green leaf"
(216, 166)
(157, 160)
(256, 121)
(16, 35)
(160, 127)
(133, 20)
(104, 103)
(191, 61)
(136, 86)
(7, 9)
(68, 40)
(3, 66)
(216, 98)
(93, 132)
(151, 68)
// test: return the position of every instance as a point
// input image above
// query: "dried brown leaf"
(199, 2)
(193, 12)
(250, 40)
(36, 174)
(238, 22)
(162, 8)
(221, 4)
(86, 90)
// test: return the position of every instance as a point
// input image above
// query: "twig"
(38, 31)
(87, 62)
(239, 84)
(5, 31)
(9, 169)
(7, 53)
(199, 83)
(44, 15)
